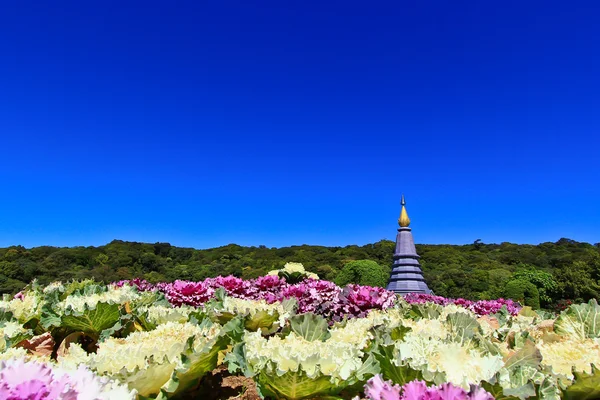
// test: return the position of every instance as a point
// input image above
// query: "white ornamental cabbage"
(428, 328)
(453, 309)
(25, 307)
(257, 309)
(337, 360)
(293, 268)
(459, 363)
(356, 332)
(79, 303)
(172, 355)
(14, 352)
(11, 331)
(565, 355)
(159, 314)
(54, 286)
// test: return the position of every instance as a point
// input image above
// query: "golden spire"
(403, 221)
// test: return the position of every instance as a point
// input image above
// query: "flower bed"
(304, 339)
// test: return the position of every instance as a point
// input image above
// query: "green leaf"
(295, 385)
(426, 310)
(108, 332)
(585, 387)
(18, 338)
(198, 363)
(398, 333)
(580, 321)
(522, 392)
(236, 360)
(77, 287)
(92, 321)
(548, 390)
(171, 385)
(233, 330)
(497, 392)
(517, 340)
(528, 312)
(545, 315)
(528, 355)
(198, 317)
(148, 299)
(263, 321)
(399, 374)
(144, 321)
(5, 314)
(290, 305)
(487, 345)
(462, 326)
(522, 378)
(49, 317)
(369, 369)
(310, 326)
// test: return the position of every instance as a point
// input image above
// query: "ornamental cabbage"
(25, 380)
(294, 367)
(378, 389)
(169, 358)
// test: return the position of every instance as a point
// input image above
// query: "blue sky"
(281, 123)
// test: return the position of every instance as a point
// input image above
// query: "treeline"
(541, 275)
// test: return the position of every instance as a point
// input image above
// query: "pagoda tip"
(403, 221)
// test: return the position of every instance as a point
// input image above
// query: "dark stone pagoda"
(406, 276)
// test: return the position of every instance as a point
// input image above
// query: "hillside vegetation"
(545, 275)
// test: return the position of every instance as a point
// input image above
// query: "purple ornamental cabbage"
(378, 389)
(316, 296)
(32, 380)
(481, 307)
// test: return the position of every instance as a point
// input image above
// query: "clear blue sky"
(283, 123)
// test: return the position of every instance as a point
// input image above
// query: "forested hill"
(549, 271)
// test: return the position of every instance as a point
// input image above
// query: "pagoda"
(406, 276)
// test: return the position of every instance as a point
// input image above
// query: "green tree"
(101, 259)
(524, 292)
(543, 281)
(362, 272)
(576, 283)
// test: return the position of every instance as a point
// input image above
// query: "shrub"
(362, 272)
(523, 291)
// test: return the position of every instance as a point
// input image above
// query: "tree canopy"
(565, 269)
